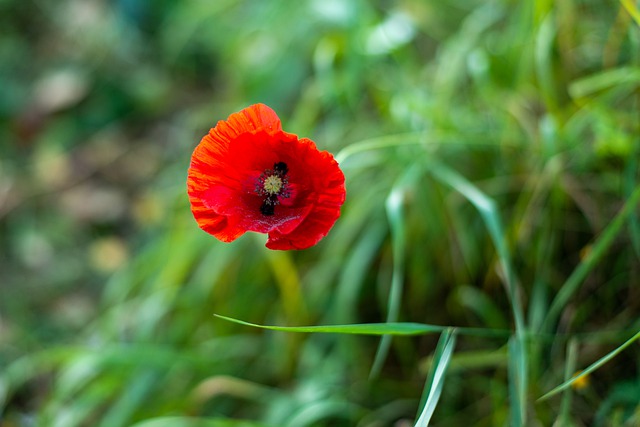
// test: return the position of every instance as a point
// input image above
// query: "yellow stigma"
(272, 184)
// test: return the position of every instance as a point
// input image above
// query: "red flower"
(248, 174)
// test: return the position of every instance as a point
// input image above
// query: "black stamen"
(281, 168)
(267, 208)
(269, 202)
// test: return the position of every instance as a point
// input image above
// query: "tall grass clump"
(485, 269)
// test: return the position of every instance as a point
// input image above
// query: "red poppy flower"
(247, 174)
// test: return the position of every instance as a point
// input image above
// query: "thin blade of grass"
(314, 413)
(357, 329)
(598, 249)
(395, 213)
(518, 362)
(359, 261)
(597, 82)
(570, 368)
(630, 174)
(394, 328)
(389, 141)
(489, 213)
(435, 378)
(591, 368)
(195, 422)
(544, 61)
(131, 399)
(517, 380)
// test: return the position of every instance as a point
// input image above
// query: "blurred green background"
(488, 147)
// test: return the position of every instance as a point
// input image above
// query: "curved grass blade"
(591, 368)
(355, 329)
(518, 361)
(545, 37)
(409, 139)
(587, 86)
(316, 412)
(196, 422)
(394, 328)
(630, 174)
(599, 248)
(489, 213)
(389, 141)
(395, 212)
(141, 387)
(435, 379)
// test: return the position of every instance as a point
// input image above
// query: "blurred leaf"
(395, 213)
(391, 328)
(621, 406)
(596, 365)
(632, 9)
(518, 380)
(491, 217)
(597, 82)
(592, 258)
(378, 143)
(319, 411)
(544, 62)
(360, 329)
(196, 422)
(569, 371)
(435, 378)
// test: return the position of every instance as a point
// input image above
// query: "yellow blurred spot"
(580, 383)
(227, 385)
(147, 210)
(52, 167)
(108, 254)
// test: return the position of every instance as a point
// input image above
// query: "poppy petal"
(247, 174)
(251, 119)
(326, 210)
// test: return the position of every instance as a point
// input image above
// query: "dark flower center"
(271, 185)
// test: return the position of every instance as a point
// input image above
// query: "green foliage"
(491, 155)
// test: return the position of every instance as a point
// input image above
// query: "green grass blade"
(570, 368)
(591, 368)
(356, 266)
(389, 141)
(599, 248)
(315, 412)
(131, 399)
(407, 140)
(394, 328)
(517, 380)
(597, 82)
(435, 379)
(395, 212)
(630, 174)
(489, 213)
(195, 422)
(518, 361)
(544, 61)
(356, 329)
